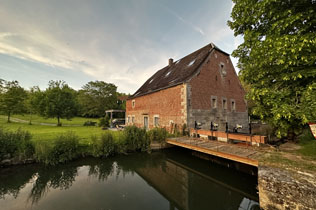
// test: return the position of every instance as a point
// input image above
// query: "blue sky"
(123, 42)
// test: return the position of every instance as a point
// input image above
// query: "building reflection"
(182, 180)
(190, 188)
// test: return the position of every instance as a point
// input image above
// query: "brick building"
(201, 87)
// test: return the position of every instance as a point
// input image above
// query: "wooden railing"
(233, 136)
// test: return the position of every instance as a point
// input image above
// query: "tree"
(35, 101)
(12, 97)
(59, 101)
(96, 97)
(278, 60)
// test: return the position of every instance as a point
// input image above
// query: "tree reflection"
(56, 177)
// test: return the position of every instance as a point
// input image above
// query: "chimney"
(170, 61)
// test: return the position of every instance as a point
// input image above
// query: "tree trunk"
(30, 123)
(58, 119)
(9, 114)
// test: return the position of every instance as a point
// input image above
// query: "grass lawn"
(46, 132)
(38, 119)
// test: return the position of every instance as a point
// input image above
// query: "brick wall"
(169, 104)
(217, 79)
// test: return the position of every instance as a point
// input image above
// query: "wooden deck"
(243, 154)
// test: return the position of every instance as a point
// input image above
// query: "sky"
(117, 41)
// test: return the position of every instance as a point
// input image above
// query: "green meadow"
(49, 132)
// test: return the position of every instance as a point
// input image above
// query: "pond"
(170, 179)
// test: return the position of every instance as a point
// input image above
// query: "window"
(224, 104)
(133, 119)
(156, 121)
(222, 69)
(133, 103)
(233, 105)
(214, 102)
(146, 122)
(128, 119)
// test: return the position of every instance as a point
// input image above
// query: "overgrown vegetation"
(15, 144)
(66, 146)
(157, 135)
(103, 146)
(136, 138)
(63, 149)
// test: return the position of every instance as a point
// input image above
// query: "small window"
(133, 119)
(156, 121)
(146, 122)
(224, 104)
(233, 105)
(214, 103)
(133, 103)
(128, 119)
(222, 69)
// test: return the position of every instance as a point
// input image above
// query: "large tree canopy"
(96, 97)
(59, 101)
(278, 59)
(12, 97)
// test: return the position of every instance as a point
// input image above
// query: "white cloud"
(193, 26)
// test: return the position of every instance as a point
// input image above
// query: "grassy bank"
(294, 156)
(53, 144)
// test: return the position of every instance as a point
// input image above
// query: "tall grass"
(63, 148)
(157, 135)
(15, 144)
(66, 146)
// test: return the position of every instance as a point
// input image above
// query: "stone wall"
(282, 189)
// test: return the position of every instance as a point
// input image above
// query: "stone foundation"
(282, 189)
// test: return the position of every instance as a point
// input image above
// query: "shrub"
(15, 144)
(89, 123)
(136, 138)
(64, 148)
(104, 122)
(157, 135)
(104, 146)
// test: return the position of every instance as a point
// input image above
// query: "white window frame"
(154, 123)
(147, 121)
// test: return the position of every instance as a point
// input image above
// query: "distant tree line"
(59, 100)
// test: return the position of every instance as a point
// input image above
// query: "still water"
(172, 179)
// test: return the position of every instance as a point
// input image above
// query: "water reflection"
(161, 180)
